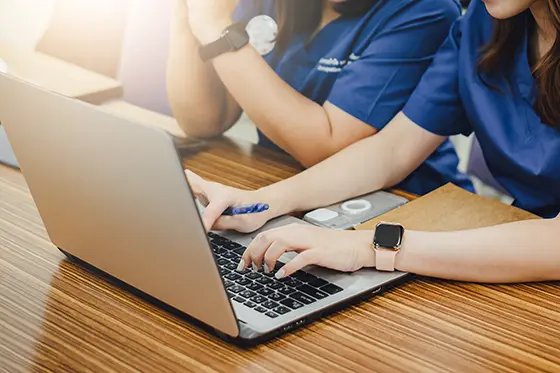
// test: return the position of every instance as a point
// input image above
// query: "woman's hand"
(209, 18)
(346, 251)
(217, 198)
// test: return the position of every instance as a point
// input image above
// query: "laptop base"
(239, 341)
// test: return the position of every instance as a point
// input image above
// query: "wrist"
(207, 31)
(278, 206)
(364, 241)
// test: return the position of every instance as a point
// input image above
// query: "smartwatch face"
(237, 36)
(389, 236)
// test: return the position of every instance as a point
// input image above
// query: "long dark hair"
(499, 52)
(304, 16)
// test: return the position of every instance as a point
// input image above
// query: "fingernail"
(241, 266)
(266, 270)
(255, 268)
(280, 274)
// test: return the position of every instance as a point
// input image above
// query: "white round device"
(356, 207)
(262, 32)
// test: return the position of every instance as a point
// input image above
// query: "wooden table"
(55, 317)
(59, 76)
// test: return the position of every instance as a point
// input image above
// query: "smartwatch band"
(214, 49)
(233, 38)
(385, 260)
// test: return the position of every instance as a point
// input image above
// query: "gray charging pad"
(7, 155)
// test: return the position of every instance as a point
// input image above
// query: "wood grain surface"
(56, 317)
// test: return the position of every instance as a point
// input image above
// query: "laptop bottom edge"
(247, 337)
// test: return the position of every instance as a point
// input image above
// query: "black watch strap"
(233, 38)
(214, 49)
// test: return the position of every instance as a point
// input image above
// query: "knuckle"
(308, 257)
(263, 237)
(270, 255)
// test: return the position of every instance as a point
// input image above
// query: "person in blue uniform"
(496, 76)
(340, 70)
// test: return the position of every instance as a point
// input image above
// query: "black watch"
(233, 38)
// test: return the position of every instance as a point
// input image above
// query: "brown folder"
(451, 208)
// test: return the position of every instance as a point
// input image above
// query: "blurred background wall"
(23, 22)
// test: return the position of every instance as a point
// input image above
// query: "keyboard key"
(247, 294)
(270, 304)
(303, 298)
(244, 281)
(224, 271)
(231, 266)
(250, 304)
(264, 280)
(222, 261)
(231, 295)
(212, 235)
(315, 293)
(231, 255)
(265, 292)
(286, 290)
(236, 289)
(232, 276)
(258, 299)
(239, 299)
(281, 310)
(240, 250)
(304, 276)
(219, 250)
(276, 285)
(318, 283)
(227, 284)
(293, 282)
(219, 240)
(271, 314)
(253, 275)
(291, 303)
(254, 286)
(276, 297)
(332, 289)
(244, 272)
(261, 309)
(231, 245)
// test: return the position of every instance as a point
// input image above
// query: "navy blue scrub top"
(522, 152)
(368, 66)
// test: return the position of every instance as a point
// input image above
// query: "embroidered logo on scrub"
(334, 65)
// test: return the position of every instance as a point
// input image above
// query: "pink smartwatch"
(387, 243)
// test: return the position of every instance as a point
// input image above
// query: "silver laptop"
(114, 198)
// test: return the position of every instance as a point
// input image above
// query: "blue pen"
(247, 209)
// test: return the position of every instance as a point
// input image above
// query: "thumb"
(302, 260)
(213, 212)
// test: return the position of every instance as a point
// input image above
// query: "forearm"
(197, 97)
(371, 164)
(292, 121)
(361, 168)
(518, 252)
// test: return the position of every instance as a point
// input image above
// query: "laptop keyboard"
(263, 292)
